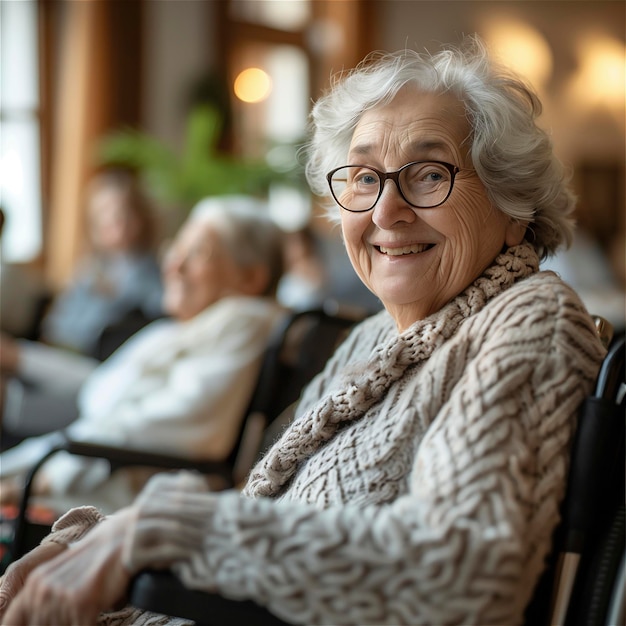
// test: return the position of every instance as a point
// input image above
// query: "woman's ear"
(255, 280)
(515, 232)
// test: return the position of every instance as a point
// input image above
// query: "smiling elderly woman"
(421, 481)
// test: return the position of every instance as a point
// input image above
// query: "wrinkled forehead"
(411, 121)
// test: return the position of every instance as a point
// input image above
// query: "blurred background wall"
(75, 72)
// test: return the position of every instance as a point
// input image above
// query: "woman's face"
(198, 270)
(417, 260)
(114, 227)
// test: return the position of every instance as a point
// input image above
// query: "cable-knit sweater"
(420, 483)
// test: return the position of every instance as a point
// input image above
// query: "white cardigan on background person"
(176, 387)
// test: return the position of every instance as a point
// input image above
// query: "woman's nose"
(392, 208)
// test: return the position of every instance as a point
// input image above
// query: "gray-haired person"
(182, 384)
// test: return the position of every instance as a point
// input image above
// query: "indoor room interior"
(195, 100)
(75, 73)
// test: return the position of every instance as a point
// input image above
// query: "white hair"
(246, 230)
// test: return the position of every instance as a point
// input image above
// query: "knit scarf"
(387, 363)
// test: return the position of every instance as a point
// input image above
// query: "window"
(20, 169)
(297, 44)
(286, 15)
(280, 115)
(266, 41)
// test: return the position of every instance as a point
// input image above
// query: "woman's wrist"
(167, 521)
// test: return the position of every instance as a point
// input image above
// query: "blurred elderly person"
(182, 384)
(24, 294)
(118, 271)
(420, 482)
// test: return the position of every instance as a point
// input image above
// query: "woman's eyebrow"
(417, 146)
(426, 145)
(361, 149)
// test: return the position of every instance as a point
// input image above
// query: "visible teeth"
(418, 247)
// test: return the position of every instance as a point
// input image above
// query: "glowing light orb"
(252, 85)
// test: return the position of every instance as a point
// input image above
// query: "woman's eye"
(433, 176)
(430, 173)
(367, 179)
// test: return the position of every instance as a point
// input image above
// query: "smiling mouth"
(414, 249)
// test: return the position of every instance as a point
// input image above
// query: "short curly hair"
(513, 157)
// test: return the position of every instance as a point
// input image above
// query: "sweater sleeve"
(464, 544)
(55, 369)
(192, 406)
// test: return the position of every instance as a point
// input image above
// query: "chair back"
(298, 350)
(116, 333)
(587, 569)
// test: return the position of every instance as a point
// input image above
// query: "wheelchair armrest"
(118, 457)
(162, 592)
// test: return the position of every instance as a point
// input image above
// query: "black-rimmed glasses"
(422, 184)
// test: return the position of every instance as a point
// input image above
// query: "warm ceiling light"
(522, 48)
(252, 85)
(600, 79)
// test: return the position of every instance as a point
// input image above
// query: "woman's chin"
(174, 307)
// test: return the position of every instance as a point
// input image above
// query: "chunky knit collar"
(387, 363)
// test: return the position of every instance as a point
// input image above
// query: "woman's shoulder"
(378, 321)
(362, 339)
(541, 311)
(143, 263)
(231, 315)
(543, 291)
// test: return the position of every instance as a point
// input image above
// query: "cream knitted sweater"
(422, 480)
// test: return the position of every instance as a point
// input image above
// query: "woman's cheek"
(359, 257)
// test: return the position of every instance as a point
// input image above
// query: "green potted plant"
(181, 180)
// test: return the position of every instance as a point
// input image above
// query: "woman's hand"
(17, 573)
(77, 584)
(9, 354)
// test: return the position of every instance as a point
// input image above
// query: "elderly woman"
(421, 480)
(180, 385)
(119, 271)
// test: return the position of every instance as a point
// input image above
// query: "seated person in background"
(304, 283)
(23, 295)
(421, 479)
(180, 385)
(119, 272)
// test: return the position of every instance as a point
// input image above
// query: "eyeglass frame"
(395, 177)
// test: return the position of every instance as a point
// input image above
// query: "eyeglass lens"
(424, 185)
